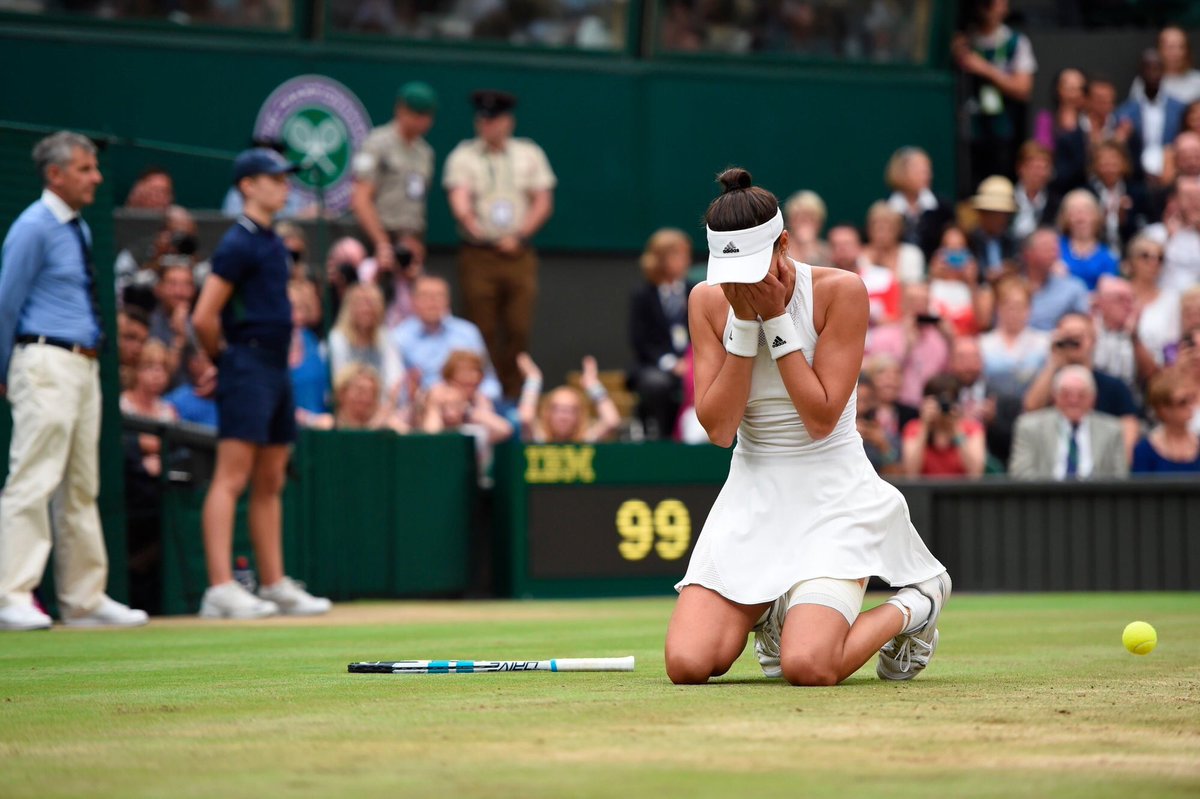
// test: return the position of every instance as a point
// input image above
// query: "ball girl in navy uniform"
(802, 520)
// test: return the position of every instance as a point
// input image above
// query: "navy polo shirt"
(254, 261)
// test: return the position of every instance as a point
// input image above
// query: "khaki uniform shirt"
(401, 173)
(500, 182)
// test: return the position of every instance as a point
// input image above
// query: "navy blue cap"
(490, 103)
(260, 161)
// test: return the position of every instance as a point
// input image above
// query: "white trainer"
(767, 636)
(907, 655)
(110, 613)
(23, 616)
(231, 601)
(293, 600)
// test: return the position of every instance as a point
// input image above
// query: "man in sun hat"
(392, 173)
(992, 242)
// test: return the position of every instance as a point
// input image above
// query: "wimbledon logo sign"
(322, 124)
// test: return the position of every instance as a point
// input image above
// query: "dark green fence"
(621, 519)
(365, 515)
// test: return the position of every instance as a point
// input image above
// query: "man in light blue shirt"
(50, 335)
(427, 338)
(1054, 292)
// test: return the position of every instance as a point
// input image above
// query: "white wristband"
(743, 338)
(781, 336)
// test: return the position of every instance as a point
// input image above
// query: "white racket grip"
(592, 664)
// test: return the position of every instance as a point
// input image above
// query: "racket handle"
(592, 664)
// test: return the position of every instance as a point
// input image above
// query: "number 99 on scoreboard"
(665, 530)
(608, 531)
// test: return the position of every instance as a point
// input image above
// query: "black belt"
(78, 349)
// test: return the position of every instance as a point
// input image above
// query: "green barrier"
(603, 519)
(366, 514)
(622, 519)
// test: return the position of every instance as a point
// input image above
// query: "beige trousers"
(55, 396)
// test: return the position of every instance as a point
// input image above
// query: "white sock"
(915, 606)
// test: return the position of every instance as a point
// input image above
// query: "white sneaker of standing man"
(231, 601)
(293, 600)
(23, 616)
(110, 613)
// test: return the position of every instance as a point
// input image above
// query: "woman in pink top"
(919, 342)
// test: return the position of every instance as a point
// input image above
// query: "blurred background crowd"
(1076, 246)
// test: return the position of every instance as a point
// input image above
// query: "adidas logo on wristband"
(778, 342)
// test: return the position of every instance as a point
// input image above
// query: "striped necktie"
(1073, 452)
(90, 269)
(673, 304)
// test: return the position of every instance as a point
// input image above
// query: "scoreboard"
(603, 519)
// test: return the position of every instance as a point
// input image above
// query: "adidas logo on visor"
(730, 249)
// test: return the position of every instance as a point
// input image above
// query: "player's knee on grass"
(808, 668)
(692, 668)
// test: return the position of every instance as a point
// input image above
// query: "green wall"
(635, 142)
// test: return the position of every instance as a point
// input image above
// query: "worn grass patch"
(1029, 695)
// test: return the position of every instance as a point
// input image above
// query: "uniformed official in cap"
(501, 192)
(393, 171)
(491, 104)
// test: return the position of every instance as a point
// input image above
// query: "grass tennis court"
(1029, 695)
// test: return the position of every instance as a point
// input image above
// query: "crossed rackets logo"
(320, 140)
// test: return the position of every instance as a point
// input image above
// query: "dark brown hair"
(741, 205)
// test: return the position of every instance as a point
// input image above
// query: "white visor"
(742, 256)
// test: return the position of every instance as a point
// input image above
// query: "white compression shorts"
(844, 596)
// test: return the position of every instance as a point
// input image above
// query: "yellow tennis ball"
(1139, 638)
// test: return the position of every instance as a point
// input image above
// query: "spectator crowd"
(1046, 324)
(1043, 325)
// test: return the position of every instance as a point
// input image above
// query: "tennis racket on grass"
(487, 666)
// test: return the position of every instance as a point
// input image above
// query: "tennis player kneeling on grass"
(803, 520)
(243, 319)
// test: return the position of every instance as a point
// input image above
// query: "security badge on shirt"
(414, 186)
(500, 217)
(414, 182)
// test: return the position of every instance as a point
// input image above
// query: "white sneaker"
(907, 655)
(111, 613)
(23, 616)
(231, 601)
(293, 600)
(766, 638)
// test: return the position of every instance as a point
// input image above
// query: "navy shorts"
(254, 397)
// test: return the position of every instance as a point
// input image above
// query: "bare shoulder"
(707, 299)
(846, 290)
(837, 283)
(704, 294)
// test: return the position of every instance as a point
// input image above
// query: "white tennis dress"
(793, 508)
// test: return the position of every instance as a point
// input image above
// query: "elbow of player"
(819, 429)
(723, 440)
(720, 434)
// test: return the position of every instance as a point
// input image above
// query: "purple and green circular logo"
(321, 123)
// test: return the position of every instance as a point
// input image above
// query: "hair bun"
(735, 178)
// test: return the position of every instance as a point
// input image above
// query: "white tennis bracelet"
(743, 338)
(781, 335)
